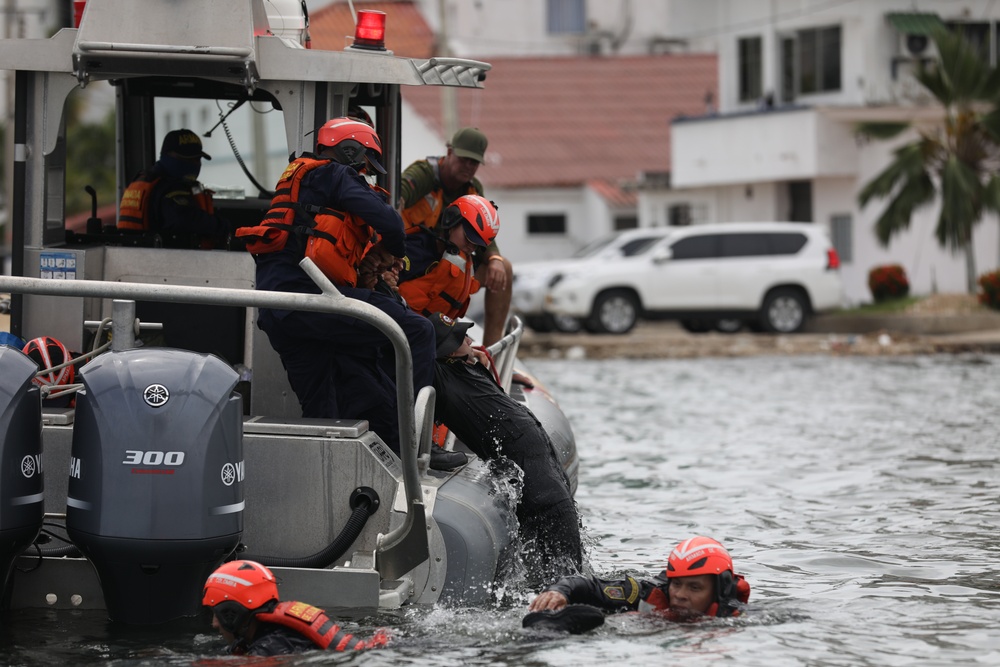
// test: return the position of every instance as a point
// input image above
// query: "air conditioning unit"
(916, 47)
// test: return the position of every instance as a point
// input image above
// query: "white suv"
(768, 275)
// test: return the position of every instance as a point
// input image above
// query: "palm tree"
(960, 157)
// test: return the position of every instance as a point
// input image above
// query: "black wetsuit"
(611, 595)
(492, 424)
(628, 594)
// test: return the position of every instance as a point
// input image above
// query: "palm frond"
(932, 78)
(990, 123)
(909, 163)
(881, 130)
(991, 194)
(961, 204)
(895, 219)
(960, 70)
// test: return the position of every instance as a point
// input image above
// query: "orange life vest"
(337, 240)
(313, 623)
(444, 288)
(424, 215)
(135, 206)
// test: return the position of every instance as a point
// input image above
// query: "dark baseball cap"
(469, 142)
(450, 334)
(183, 143)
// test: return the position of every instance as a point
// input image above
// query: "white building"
(795, 77)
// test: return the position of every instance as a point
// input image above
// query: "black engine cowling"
(21, 483)
(155, 497)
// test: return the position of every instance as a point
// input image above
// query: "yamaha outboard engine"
(21, 506)
(155, 497)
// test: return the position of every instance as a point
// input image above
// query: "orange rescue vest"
(135, 206)
(444, 288)
(424, 215)
(337, 240)
(313, 623)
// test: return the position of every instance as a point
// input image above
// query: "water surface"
(858, 495)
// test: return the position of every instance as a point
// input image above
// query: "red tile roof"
(406, 33)
(552, 121)
(613, 194)
(566, 121)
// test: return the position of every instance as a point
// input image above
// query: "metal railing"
(404, 547)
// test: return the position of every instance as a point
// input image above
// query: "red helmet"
(354, 143)
(237, 590)
(48, 352)
(249, 583)
(478, 216)
(698, 555)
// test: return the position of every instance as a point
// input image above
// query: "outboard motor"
(155, 497)
(21, 506)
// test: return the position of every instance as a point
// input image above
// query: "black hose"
(364, 502)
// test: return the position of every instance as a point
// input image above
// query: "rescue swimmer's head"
(699, 579)
(350, 142)
(236, 592)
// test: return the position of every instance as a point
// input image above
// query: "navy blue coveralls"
(332, 361)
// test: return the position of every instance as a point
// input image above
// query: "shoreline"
(939, 324)
(669, 341)
(948, 324)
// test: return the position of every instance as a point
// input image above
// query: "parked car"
(532, 279)
(768, 275)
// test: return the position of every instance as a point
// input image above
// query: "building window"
(788, 69)
(566, 17)
(750, 65)
(810, 62)
(547, 223)
(626, 222)
(980, 35)
(819, 60)
(841, 237)
(800, 199)
(679, 215)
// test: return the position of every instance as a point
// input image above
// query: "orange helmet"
(698, 555)
(703, 555)
(354, 143)
(237, 590)
(478, 216)
(48, 352)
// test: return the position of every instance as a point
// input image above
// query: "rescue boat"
(183, 445)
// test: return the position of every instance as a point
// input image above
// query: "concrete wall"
(587, 217)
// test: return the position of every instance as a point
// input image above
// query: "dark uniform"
(333, 361)
(631, 594)
(492, 424)
(612, 595)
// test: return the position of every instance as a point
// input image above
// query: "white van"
(768, 275)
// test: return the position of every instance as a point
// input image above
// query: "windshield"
(595, 246)
(634, 246)
(638, 246)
